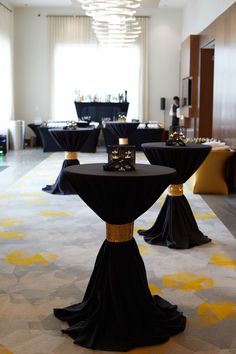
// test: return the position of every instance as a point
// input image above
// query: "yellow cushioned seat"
(210, 176)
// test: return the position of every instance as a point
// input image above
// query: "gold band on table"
(175, 190)
(119, 233)
(123, 141)
(71, 155)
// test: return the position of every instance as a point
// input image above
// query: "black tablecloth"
(67, 140)
(50, 145)
(118, 311)
(70, 139)
(35, 128)
(99, 110)
(175, 226)
(137, 138)
(122, 129)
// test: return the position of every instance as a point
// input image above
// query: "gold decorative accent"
(123, 141)
(119, 233)
(71, 155)
(176, 190)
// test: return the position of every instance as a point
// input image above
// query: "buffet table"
(175, 225)
(118, 312)
(98, 110)
(69, 141)
(35, 129)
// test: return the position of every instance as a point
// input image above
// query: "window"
(93, 70)
(6, 80)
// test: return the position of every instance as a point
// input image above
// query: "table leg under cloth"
(175, 225)
(62, 184)
(118, 312)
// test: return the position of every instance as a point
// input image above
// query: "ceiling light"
(113, 20)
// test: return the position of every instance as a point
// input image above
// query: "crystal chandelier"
(114, 22)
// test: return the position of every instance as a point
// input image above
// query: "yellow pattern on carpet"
(21, 258)
(38, 201)
(154, 289)
(6, 196)
(206, 216)
(223, 260)
(7, 235)
(10, 222)
(143, 249)
(187, 281)
(209, 314)
(55, 214)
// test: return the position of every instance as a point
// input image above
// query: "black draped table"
(99, 110)
(137, 138)
(70, 141)
(118, 312)
(175, 225)
(35, 128)
(122, 130)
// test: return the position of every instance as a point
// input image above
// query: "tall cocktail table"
(118, 312)
(70, 141)
(122, 130)
(175, 225)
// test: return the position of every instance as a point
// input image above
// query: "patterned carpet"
(48, 245)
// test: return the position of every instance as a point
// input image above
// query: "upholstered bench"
(210, 176)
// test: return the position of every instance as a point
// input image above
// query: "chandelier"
(114, 22)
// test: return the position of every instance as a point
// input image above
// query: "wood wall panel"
(189, 67)
(223, 31)
(206, 92)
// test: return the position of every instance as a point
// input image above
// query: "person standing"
(174, 112)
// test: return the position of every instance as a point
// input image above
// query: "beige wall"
(198, 14)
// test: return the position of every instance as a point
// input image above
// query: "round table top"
(162, 145)
(96, 170)
(61, 130)
(119, 197)
(184, 159)
(122, 129)
(70, 139)
(122, 122)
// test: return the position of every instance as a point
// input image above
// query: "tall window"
(78, 63)
(94, 71)
(6, 79)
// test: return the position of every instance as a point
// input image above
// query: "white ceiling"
(74, 3)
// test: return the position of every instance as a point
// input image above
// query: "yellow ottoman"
(210, 176)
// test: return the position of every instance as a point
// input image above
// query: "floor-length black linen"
(118, 312)
(175, 225)
(35, 128)
(68, 140)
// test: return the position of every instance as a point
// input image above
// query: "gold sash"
(71, 155)
(175, 190)
(119, 233)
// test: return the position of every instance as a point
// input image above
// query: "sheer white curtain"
(67, 35)
(6, 67)
(78, 63)
(144, 69)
